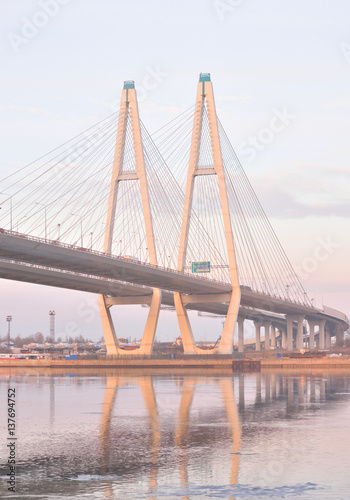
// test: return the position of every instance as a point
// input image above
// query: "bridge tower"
(205, 104)
(129, 119)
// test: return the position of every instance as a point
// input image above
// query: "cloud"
(325, 169)
(305, 190)
(335, 104)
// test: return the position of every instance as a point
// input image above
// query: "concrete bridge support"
(205, 101)
(299, 318)
(321, 334)
(267, 335)
(257, 336)
(290, 344)
(339, 333)
(327, 337)
(129, 111)
(300, 339)
(312, 325)
(283, 339)
(273, 336)
(240, 322)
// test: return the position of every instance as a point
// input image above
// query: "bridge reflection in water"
(183, 438)
(182, 433)
(245, 399)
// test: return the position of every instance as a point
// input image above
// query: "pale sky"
(63, 63)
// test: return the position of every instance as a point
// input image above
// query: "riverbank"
(247, 364)
(326, 362)
(193, 362)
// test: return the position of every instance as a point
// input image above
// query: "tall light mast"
(52, 325)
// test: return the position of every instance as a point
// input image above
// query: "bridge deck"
(33, 260)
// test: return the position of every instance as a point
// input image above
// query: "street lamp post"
(42, 204)
(91, 240)
(19, 220)
(8, 319)
(58, 231)
(7, 194)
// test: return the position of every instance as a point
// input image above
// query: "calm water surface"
(151, 434)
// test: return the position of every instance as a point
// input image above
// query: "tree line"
(39, 338)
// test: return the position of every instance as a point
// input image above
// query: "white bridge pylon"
(129, 113)
(205, 101)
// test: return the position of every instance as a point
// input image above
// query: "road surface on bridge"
(55, 264)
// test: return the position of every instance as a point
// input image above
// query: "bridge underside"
(126, 293)
(112, 274)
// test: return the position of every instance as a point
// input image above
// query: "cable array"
(262, 263)
(64, 196)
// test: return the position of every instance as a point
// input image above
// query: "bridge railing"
(106, 254)
(74, 273)
(143, 264)
(335, 313)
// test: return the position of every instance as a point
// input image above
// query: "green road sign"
(201, 267)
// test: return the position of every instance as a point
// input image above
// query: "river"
(187, 434)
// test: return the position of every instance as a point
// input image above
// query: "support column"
(257, 336)
(317, 342)
(327, 338)
(300, 340)
(273, 336)
(267, 335)
(205, 109)
(283, 339)
(312, 325)
(108, 327)
(240, 322)
(129, 113)
(289, 332)
(321, 335)
(339, 332)
(188, 343)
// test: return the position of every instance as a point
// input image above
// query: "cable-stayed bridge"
(132, 217)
